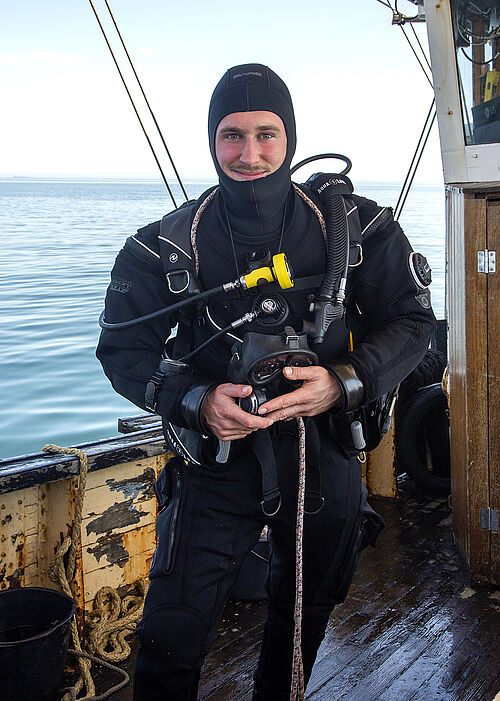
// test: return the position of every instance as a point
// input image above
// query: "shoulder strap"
(175, 250)
(177, 243)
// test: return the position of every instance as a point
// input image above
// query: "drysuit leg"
(204, 533)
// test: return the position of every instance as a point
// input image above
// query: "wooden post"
(473, 225)
(380, 471)
(493, 283)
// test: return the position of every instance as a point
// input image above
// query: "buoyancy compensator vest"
(180, 263)
(178, 254)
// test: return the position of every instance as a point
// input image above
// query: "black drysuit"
(210, 517)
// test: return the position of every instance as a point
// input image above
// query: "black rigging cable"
(431, 115)
(429, 121)
(421, 47)
(400, 19)
(416, 56)
(147, 103)
(133, 105)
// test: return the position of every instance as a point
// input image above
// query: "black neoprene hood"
(253, 87)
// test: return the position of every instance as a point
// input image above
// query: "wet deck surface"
(411, 627)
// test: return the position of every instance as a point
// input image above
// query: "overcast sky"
(356, 86)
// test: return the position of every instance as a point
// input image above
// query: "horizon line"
(173, 183)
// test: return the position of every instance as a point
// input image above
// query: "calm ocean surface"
(59, 241)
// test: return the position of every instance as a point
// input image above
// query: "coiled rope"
(111, 618)
(71, 691)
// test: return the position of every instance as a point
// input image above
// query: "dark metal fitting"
(180, 286)
(273, 513)
(320, 507)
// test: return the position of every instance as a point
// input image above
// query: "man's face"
(250, 145)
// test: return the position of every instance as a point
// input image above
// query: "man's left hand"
(319, 392)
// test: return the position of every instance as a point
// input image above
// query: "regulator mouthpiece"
(279, 271)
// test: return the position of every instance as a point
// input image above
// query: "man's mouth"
(249, 174)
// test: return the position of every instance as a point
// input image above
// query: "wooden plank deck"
(410, 629)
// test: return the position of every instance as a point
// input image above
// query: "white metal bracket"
(486, 261)
(489, 519)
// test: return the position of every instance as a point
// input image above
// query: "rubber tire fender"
(423, 439)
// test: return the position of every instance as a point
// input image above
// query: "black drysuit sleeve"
(130, 356)
(387, 303)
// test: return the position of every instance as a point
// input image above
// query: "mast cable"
(409, 180)
(421, 47)
(417, 164)
(427, 125)
(147, 103)
(133, 105)
(401, 19)
(416, 56)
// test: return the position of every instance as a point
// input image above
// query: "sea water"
(59, 240)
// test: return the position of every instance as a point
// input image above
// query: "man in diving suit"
(211, 514)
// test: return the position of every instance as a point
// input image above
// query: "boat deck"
(411, 627)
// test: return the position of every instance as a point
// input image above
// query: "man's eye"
(231, 136)
(267, 135)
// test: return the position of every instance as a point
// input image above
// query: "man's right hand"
(225, 418)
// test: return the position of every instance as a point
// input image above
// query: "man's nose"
(250, 152)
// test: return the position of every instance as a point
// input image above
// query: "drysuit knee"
(175, 636)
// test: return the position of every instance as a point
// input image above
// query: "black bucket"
(34, 637)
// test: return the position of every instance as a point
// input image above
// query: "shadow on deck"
(411, 627)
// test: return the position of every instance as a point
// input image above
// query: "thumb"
(297, 372)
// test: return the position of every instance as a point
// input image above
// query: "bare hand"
(319, 392)
(225, 418)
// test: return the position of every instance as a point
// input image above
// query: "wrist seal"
(350, 384)
(192, 404)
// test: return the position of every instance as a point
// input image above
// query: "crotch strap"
(262, 447)
(314, 502)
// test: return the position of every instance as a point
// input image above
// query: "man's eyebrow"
(229, 129)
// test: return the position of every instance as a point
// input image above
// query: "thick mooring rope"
(62, 574)
(71, 691)
(297, 687)
(111, 618)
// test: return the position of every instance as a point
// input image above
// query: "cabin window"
(477, 41)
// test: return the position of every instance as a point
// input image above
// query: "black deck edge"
(26, 471)
(130, 424)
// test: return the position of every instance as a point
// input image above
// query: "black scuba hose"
(233, 325)
(338, 246)
(328, 304)
(165, 310)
